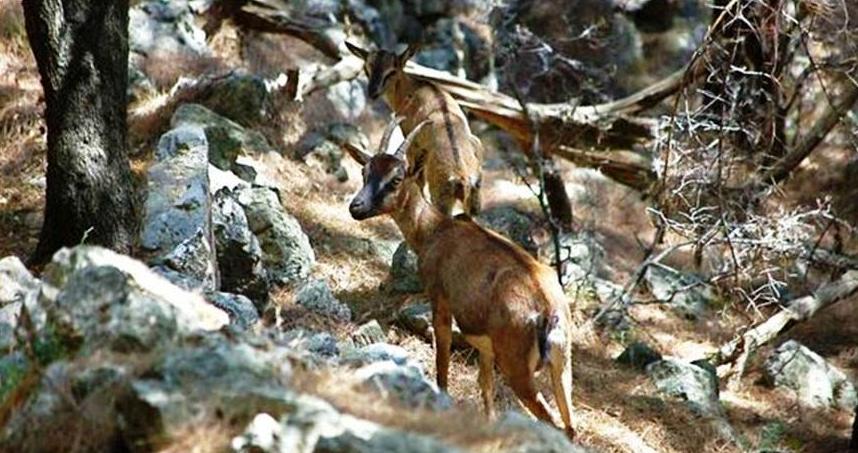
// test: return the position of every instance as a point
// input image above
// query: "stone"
(132, 284)
(226, 139)
(177, 229)
(314, 425)
(688, 382)
(243, 98)
(57, 403)
(286, 251)
(13, 368)
(580, 256)
(510, 223)
(16, 282)
(368, 333)
(378, 352)
(262, 434)
(167, 28)
(404, 273)
(687, 294)
(215, 377)
(638, 355)
(533, 436)
(242, 313)
(220, 179)
(406, 383)
(316, 296)
(328, 154)
(239, 255)
(17, 288)
(816, 382)
(417, 319)
(348, 98)
(321, 344)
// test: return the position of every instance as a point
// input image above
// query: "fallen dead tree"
(736, 352)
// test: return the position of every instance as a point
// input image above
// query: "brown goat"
(508, 305)
(451, 154)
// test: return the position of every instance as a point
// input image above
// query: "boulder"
(220, 179)
(687, 294)
(168, 28)
(239, 255)
(404, 382)
(17, 287)
(638, 355)
(317, 148)
(532, 436)
(580, 256)
(511, 223)
(226, 139)
(68, 398)
(286, 250)
(214, 378)
(320, 344)
(316, 296)
(242, 313)
(177, 229)
(417, 319)
(816, 382)
(314, 425)
(378, 352)
(404, 271)
(242, 98)
(688, 382)
(85, 308)
(348, 98)
(368, 333)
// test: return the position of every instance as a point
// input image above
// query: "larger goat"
(509, 306)
(451, 154)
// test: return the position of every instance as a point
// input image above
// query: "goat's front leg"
(442, 323)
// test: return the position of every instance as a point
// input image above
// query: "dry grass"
(22, 137)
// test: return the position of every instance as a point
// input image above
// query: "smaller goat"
(451, 153)
(508, 305)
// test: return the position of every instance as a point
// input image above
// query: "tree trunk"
(81, 49)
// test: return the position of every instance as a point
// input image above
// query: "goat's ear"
(407, 54)
(358, 154)
(357, 50)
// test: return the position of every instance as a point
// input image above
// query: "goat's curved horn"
(400, 152)
(388, 132)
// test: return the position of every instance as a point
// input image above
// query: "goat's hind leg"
(560, 367)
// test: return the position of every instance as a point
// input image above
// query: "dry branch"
(832, 115)
(598, 136)
(739, 349)
(277, 16)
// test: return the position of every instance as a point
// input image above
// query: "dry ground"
(615, 409)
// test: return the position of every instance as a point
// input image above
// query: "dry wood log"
(737, 351)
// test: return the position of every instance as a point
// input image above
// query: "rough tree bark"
(81, 49)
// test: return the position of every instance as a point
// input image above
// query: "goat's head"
(384, 175)
(381, 66)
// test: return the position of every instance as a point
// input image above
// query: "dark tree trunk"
(81, 48)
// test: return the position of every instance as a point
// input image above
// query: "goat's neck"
(399, 93)
(417, 219)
